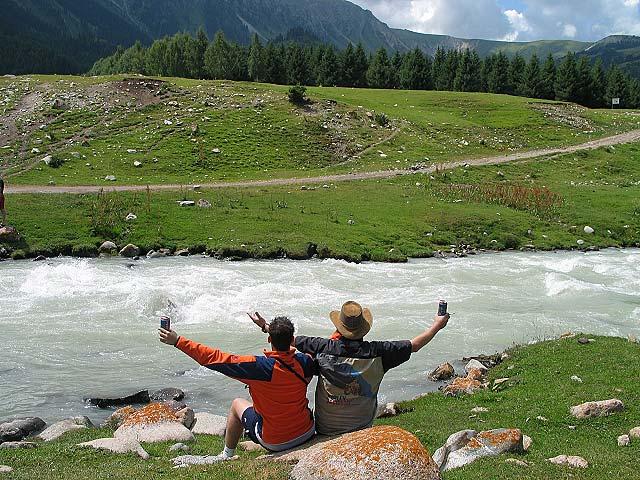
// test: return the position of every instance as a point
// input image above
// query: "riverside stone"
(186, 417)
(442, 372)
(136, 398)
(597, 409)
(377, 453)
(475, 364)
(118, 445)
(19, 428)
(156, 422)
(9, 235)
(209, 424)
(130, 251)
(468, 385)
(166, 394)
(58, 429)
(569, 461)
(108, 247)
(118, 417)
(467, 446)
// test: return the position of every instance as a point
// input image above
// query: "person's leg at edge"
(235, 428)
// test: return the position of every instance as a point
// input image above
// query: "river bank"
(536, 398)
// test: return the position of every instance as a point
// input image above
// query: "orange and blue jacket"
(279, 396)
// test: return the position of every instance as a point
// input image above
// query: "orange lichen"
(152, 413)
(499, 438)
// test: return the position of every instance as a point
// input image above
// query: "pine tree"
(438, 74)
(485, 73)
(156, 58)
(499, 76)
(616, 86)
(380, 74)
(328, 71)
(361, 67)
(533, 78)
(414, 72)
(634, 94)
(347, 59)
(468, 74)
(256, 60)
(237, 63)
(195, 49)
(567, 79)
(275, 71)
(450, 70)
(298, 71)
(584, 94)
(548, 79)
(598, 85)
(396, 65)
(517, 75)
(217, 58)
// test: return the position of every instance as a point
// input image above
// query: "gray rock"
(179, 447)
(9, 235)
(58, 429)
(442, 372)
(136, 398)
(187, 460)
(634, 432)
(204, 203)
(18, 445)
(624, 441)
(118, 445)
(131, 217)
(475, 364)
(130, 251)
(156, 432)
(182, 253)
(209, 424)
(466, 447)
(19, 428)
(569, 461)
(389, 410)
(110, 178)
(515, 461)
(5, 469)
(588, 230)
(597, 409)
(186, 416)
(40, 258)
(108, 247)
(175, 405)
(527, 441)
(166, 394)
(187, 203)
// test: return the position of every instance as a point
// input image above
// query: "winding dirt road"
(628, 137)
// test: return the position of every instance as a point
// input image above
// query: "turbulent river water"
(73, 328)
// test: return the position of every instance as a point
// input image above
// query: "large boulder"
(442, 372)
(9, 235)
(117, 418)
(156, 422)
(470, 384)
(19, 428)
(118, 445)
(58, 429)
(597, 409)
(130, 251)
(167, 394)
(378, 453)
(136, 398)
(209, 424)
(467, 446)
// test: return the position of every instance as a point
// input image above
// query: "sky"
(512, 20)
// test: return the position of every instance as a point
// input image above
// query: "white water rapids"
(73, 328)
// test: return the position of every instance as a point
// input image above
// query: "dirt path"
(629, 137)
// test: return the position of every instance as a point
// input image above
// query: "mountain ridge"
(66, 36)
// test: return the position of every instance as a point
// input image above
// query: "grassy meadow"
(191, 132)
(536, 399)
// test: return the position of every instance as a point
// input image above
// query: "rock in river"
(167, 394)
(378, 453)
(442, 372)
(130, 251)
(19, 428)
(9, 235)
(136, 398)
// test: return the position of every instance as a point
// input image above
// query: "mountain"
(67, 36)
(623, 50)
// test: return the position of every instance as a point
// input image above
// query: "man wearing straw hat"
(351, 369)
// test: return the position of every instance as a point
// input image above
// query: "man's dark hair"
(281, 331)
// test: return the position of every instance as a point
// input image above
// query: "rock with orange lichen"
(467, 385)
(118, 417)
(467, 446)
(156, 422)
(378, 453)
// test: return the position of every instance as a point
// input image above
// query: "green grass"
(539, 386)
(261, 135)
(386, 220)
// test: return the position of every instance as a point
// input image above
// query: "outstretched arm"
(424, 338)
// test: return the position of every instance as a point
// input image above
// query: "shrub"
(19, 255)
(84, 251)
(297, 95)
(382, 119)
(55, 162)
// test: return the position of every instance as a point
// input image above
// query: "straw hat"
(352, 321)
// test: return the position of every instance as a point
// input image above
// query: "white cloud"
(531, 20)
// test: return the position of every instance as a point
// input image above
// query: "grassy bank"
(188, 131)
(543, 203)
(540, 385)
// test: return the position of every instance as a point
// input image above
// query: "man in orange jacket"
(279, 418)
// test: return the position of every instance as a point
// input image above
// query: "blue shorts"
(252, 423)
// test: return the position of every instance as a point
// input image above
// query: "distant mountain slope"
(67, 36)
(623, 50)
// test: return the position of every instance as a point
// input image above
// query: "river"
(72, 328)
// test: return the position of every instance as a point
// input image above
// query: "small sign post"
(614, 102)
